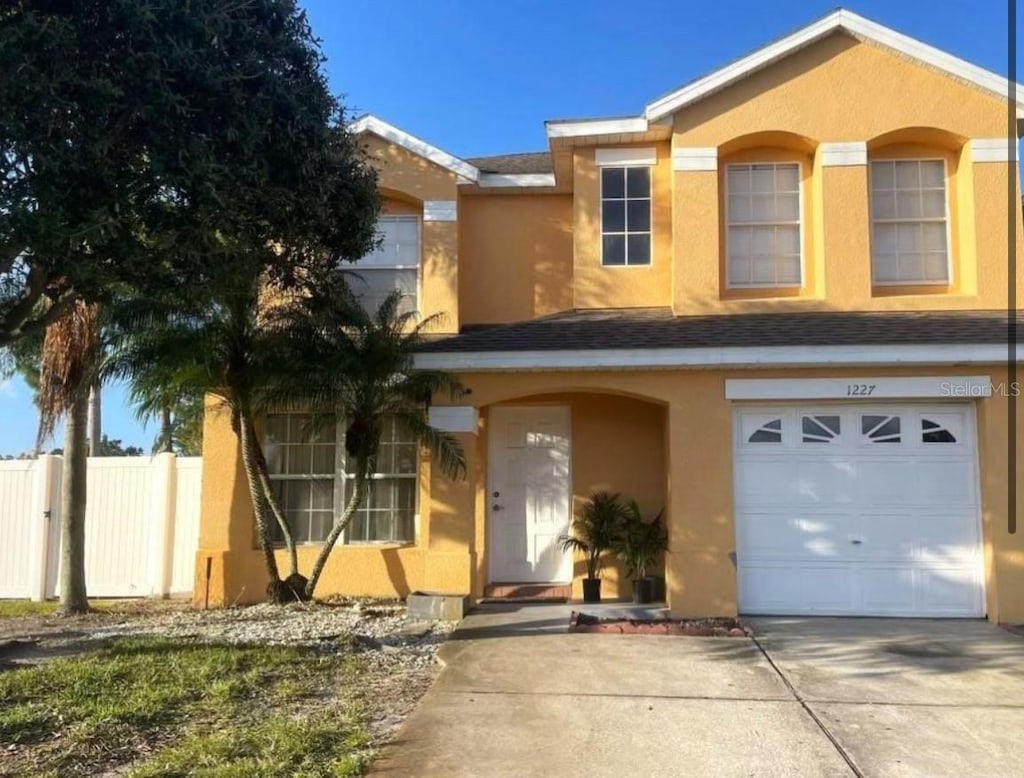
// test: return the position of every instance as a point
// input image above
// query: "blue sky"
(480, 77)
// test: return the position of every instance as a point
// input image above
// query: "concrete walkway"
(808, 697)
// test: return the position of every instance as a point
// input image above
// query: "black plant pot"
(642, 591)
(657, 583)
(591, 590)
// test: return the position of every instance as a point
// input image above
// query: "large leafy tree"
(147, 148)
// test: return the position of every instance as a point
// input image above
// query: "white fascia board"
(859, 389)
(844, 154)
(837, 20)
(626, 156)
(418, 146)
(575, 128)
(743, 356)
(994, 150)
(490, 180)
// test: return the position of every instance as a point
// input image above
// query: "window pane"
(738, 179)
(320, 523)
(787, 240)
(614, 250)
(885, 238)
(739, 271)
(787, 178)
(883, 175)
(323, 459)
(883, 205)
(907, 176)
(299, 460)
(613, 182)
(908, 204)
(911, 267)
(639, 212)
(788, 207)
(933, 174)
(613, 216)
(739, 241)
(936, 267)
(322, 495)
(739, 208)
(639, 249)
(762, 178)
(763, 271)
(638, 182)
(405, 458)
(788, 270)
(934, 235)
(933, 204)
(886, 267)
(762, 208)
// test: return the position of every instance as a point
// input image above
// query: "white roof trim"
(574, 128)
(418, 146)
(741, 356)
(837, 20)
(487, 180)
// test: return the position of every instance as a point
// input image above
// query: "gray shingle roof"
(658, 328)
(531, 162)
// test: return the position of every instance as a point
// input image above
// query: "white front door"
(529, 494)
(866, 509)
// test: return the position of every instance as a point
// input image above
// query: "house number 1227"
(860, 390)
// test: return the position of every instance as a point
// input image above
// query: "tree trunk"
(72, 510)
(282, 522)
(247, 436)
(95, 423)
(166, 430)
(355, 501)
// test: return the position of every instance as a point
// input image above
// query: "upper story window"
(763, 225)
(394, 264)
(626, 215)
(311, 480)
(909, 222)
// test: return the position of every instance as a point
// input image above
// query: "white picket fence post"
(45, 501)
(162, 488)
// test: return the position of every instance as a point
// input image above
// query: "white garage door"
(858, 509)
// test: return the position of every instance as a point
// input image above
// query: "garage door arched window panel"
(768, 432)
(881, 429)
(936, 432)
(820, 429)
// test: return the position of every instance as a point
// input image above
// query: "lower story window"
(312, 481)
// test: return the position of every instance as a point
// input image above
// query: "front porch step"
(527, 592)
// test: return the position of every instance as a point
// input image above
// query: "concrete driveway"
(807, 697)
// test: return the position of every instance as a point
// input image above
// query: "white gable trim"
(737, 356)
(837, 20)
(389, 132)
(575, 128)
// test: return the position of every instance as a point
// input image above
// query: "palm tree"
(156, 394)
(68, 362)
(229, 347)
(357, 366)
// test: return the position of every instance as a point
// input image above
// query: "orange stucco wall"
(515, 257)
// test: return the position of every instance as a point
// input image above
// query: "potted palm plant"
(638, 546)
(595, 530)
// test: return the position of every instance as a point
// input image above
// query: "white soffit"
(852, 23)
(389, 132)
(495, 180)
(575, 128)
(955, 387)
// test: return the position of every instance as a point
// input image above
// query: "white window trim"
(629, 156)
(600, 218)
(800, 224)
(949, 231)
(418, 267)
(341, 480)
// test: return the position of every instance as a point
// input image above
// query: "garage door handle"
(856, 541)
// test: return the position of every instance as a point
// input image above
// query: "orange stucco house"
(773, 303)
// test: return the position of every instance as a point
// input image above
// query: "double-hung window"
(394, 264)
(763, 225)
(312, 481)
(909, 224)
(626, 215)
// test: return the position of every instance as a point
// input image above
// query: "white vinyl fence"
(141, 526)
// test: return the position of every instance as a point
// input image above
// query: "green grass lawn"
(154, 707)
(13, 609)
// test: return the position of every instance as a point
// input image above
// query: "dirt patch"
(581, 622)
